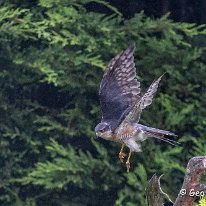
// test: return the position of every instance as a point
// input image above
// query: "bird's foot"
(128, 165)
(128, 160)
(121, 156)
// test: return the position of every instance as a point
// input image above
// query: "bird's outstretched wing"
(119, 88)
(145, 100)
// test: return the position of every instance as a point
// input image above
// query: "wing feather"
(145, 100)
(119, 88)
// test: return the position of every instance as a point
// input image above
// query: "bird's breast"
(125, 132)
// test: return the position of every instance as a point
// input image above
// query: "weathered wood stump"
(191, 187)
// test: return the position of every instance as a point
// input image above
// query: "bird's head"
(103, 130)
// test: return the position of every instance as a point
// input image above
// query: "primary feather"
(119, 88)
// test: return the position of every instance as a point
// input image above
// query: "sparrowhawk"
(122, 104)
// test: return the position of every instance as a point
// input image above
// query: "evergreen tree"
(52, 57)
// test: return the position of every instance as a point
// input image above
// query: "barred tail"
(164, 139)
(160, 134)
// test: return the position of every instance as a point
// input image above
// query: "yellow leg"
(128, 160)
(122, 154)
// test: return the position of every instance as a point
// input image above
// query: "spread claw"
(122, 154)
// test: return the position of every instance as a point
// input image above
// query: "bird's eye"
(102, 130)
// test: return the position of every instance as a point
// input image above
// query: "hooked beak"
(97, 136)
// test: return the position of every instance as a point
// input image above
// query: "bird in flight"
(122, 104)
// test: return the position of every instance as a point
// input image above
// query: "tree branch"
(153, 192)
(192, 187)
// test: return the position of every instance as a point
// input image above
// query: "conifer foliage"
(52, 57)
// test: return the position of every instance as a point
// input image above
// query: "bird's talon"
(128, 161)
(128, 166)
(121, 156)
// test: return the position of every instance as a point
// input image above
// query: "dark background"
(180, 10)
